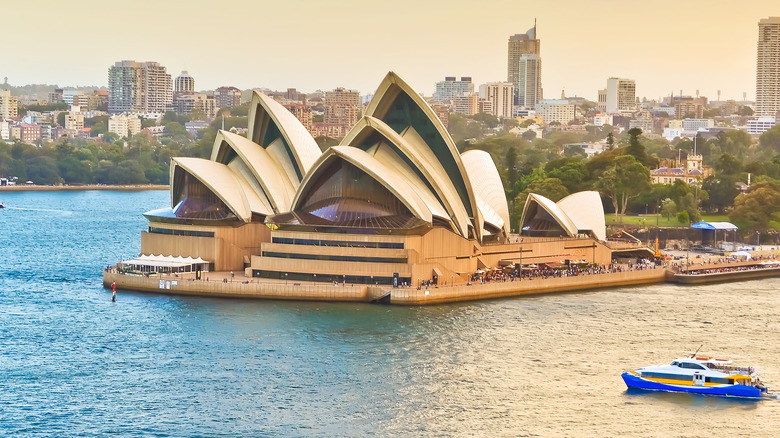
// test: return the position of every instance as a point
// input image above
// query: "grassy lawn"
(652, 220)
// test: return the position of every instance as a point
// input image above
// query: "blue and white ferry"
(699, 375)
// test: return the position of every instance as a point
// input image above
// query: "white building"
(560, 111)
(501, 95)
(124, 125)
(529, 84)
(761, 125)
(449, 88)
(692, 126)
(621, 95)
(5, 130)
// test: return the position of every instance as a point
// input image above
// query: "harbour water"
(75, 364)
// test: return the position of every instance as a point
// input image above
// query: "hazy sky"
(664, 45)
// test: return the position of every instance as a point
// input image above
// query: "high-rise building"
(500, 95)
(342, 107)
(450, 88)
(529, 81)
(768, 67)
(519, 45)
(184, 84)
(227, 97)
(466, 104)
(139, 87)
(621, 95)
(9, 105)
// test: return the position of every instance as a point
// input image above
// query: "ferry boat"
(698, 375)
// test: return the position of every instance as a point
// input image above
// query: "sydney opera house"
(395, 203)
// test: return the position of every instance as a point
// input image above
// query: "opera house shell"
(393, 203)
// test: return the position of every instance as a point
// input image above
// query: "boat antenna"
(697, 350)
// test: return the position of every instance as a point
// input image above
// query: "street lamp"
(521, 259)
(758, 240)
(285, 279)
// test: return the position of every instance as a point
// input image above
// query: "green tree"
(682, 217)
(668, 208)
(757, 209)
(624, 180)
(770, 139)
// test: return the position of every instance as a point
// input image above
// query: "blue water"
(75, 364)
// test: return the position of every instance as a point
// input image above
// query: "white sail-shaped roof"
(270, 121)
(385, 175)
(488, 189)
(267, 173)
(421, 160)
(232, 189)
(579, 213)
(586, 212)
(400, 107)
(552, 208)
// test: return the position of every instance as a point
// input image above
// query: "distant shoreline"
(124, 188)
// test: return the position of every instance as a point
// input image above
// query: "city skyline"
(695, 45)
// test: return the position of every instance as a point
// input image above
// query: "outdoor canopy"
(714, 226)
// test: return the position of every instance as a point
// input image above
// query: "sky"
(665, 46)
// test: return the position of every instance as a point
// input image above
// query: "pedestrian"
(231, 275)
(113, 291)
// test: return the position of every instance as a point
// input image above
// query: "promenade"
(236, 285)
(222, 284)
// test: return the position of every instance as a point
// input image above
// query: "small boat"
(698, 375)
(2, 205)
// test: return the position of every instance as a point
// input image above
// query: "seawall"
(305, 291)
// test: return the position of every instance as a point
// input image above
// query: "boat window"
(693, 366)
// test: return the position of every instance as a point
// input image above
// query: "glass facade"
(328, 278)
(155, 230)
(335, 258)
(344, 195)
(338, 243)
(540, 223)
(405, 112)
(196, 201)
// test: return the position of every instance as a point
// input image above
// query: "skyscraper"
(529, 81)
(519, 45)
(768, 67)
(185, 84)
(621, 95)
(138, 87)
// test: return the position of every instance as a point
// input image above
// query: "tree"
(755, 210)
(722, 190)
(770, 139)
(529, 135)
(624, 180)
(668, 208)
(682, 217)
(734, 142)
(728, 165)
(635, 147)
